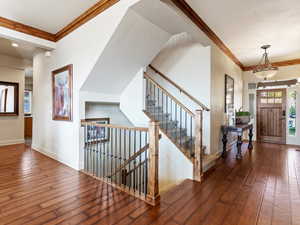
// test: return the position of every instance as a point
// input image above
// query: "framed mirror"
(9, 99)
(229, 94)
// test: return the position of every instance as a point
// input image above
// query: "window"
(252, 86)
(292, 113)
(271, 97)
(251, 104)
(27, 101)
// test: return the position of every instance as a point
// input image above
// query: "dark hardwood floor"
(261, 189)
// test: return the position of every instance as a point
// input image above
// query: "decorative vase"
(242, 119)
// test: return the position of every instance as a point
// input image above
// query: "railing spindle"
(183, 126)
(119, 156)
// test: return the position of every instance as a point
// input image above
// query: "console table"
(239, 130)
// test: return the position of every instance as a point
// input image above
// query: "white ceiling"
(48, 15)
(246, 25)
(242, 25)
(24, 51)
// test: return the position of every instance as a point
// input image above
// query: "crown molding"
(92, 12)
(277, 64)
(13, 25)
(103, 5)
(196, 19)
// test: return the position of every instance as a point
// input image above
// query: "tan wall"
(15, 63)
(222, 65)
(12, 127)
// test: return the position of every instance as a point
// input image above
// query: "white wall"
(87, 48)
(134, 44)
(106, 110)
(188, 64)
(174, 167)
(201, 71)
(106, 53)
(81, 48)
(12, 127)
(221, 64)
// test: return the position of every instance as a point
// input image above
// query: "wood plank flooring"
(261, 189)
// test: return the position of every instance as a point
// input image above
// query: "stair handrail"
(203, 107)
(95, 124)
(168, 93)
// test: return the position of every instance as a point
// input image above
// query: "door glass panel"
(292, 113)
(278, 94)
(271, 100)
(271, 94)
(264, 100)
(263, 94)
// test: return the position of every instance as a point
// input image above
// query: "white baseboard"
(12, 142)
(53, 156)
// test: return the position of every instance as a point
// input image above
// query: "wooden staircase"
(182, 126)
(128, 157)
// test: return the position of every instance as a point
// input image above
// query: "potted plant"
(242, 117)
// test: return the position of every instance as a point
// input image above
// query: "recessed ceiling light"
(15, 45)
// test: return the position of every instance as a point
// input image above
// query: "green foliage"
(241, 113)
(292, 131)
(292, 110)
(293, 95)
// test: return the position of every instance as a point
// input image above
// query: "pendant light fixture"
(265, 70)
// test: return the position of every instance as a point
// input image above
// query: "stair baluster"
(125, 157)
(177, 122)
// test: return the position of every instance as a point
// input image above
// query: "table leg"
(239, 147)
(224, 140)
(250, 145)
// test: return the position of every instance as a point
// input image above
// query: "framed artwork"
(229, 94)
(9, 99)
(27, 102)
(95, 133)
(62, 90)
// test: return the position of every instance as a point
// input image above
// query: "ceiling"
(24, 51)
(244, 26)
(47, 15)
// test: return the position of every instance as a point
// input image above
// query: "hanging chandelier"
(264, 69)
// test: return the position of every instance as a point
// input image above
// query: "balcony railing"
(125, 157)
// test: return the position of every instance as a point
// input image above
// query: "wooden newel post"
(198, 170)
(153, 188)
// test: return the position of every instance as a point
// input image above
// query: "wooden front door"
(271, 116)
